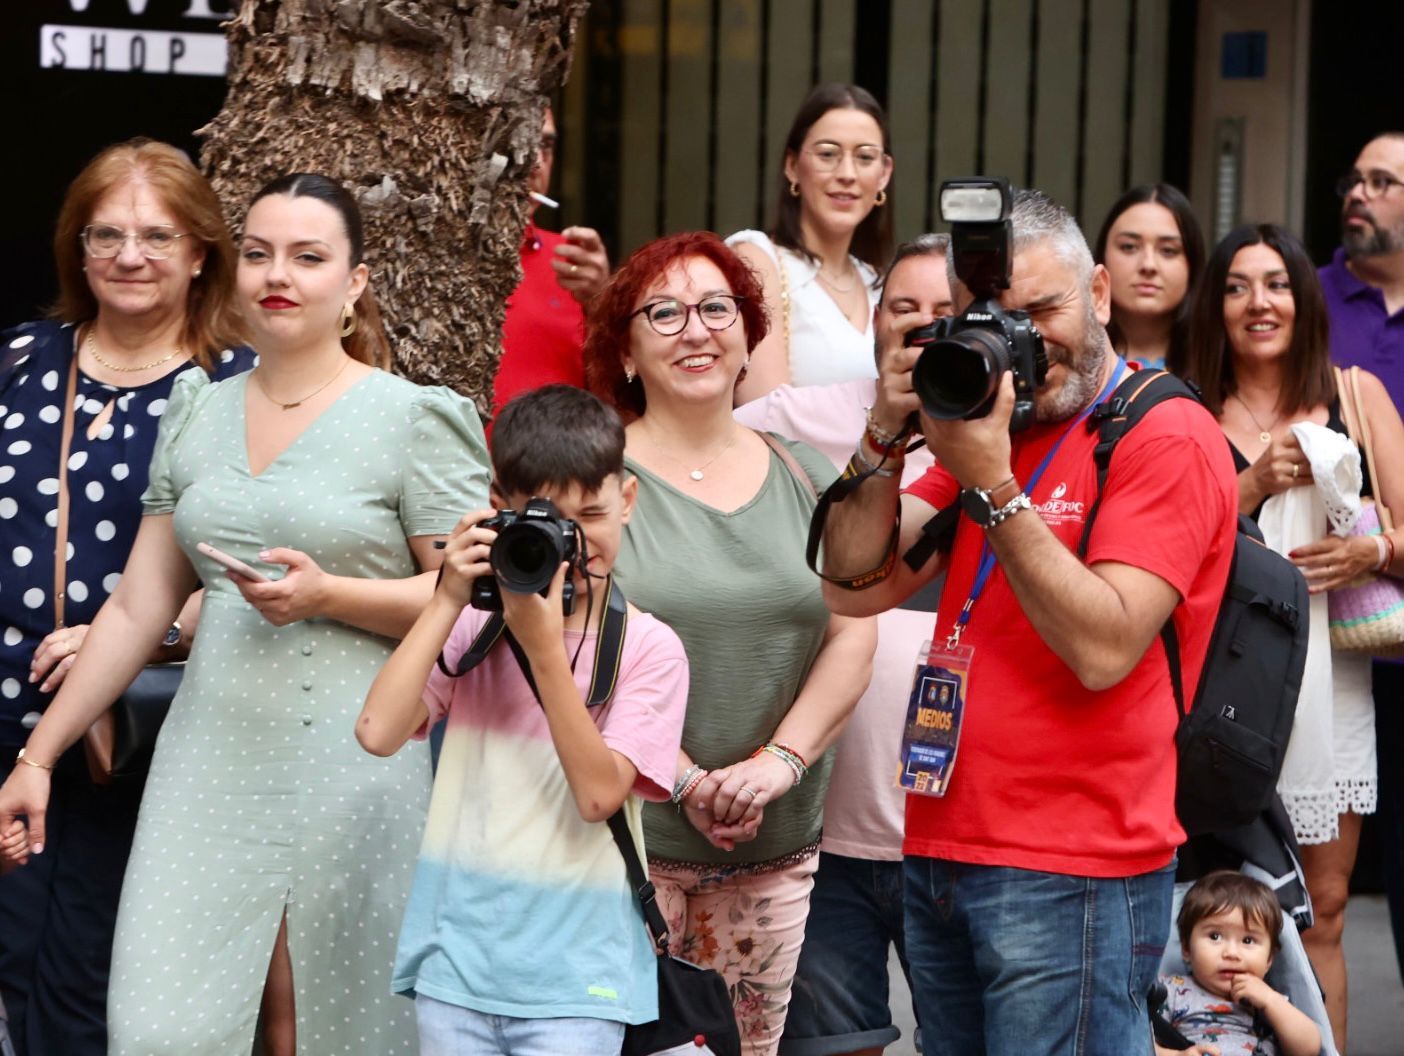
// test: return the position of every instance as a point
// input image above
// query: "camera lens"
(525, 556)
(958, 375)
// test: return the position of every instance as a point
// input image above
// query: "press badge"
(935, 709)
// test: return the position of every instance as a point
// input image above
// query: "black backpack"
(1232, 743)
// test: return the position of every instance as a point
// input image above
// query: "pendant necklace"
(1265, 435)
(695, 474)
(298, 403)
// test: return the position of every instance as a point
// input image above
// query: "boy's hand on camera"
(466, 556)
(976, 452)
(538, 623)
(895, 401)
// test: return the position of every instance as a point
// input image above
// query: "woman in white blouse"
(833, 232)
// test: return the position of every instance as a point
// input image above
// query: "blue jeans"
(839, 1000)
(1011, 962)
(452, 1030)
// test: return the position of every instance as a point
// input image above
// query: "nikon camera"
(529, 547)
(963, 359)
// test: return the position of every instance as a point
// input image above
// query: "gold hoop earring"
(348, 320)
(629, 375)
(880, 199)
(794, 189)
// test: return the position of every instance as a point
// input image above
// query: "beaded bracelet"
(788, 756)
(881, 440)
(680, 788)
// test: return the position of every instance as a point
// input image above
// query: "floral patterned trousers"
(749, 927)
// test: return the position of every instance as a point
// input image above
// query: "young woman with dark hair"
(833, 233)
(1153, 250)
(273, 857)
(1259, 354)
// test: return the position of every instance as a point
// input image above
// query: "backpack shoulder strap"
(1132, 400)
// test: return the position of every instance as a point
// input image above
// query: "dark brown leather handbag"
(119, 744)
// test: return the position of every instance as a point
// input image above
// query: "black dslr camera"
(958, 372)
(529, 547)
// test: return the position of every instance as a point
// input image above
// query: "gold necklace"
(833, 283)
(298, 403)
(91, 346)
(695, 474)
(1265, 435)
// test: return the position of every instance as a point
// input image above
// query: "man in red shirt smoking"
(1038, 886)
(545, 323)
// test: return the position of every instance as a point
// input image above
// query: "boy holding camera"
(522, 935)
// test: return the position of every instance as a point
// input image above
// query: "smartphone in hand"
(232, 563)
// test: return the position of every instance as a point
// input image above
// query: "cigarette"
(544, 200)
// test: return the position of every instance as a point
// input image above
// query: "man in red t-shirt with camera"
(1038, 885)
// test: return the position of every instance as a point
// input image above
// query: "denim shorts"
(1012, 962)
(839, 1000)
(452, 1030)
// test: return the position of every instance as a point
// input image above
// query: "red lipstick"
(275, 302)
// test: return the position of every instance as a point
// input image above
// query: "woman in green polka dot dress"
(272, 856)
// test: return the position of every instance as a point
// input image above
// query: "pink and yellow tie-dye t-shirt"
(519, 906)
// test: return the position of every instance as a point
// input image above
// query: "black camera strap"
(853, 476)
(609, 648)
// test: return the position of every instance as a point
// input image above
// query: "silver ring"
(743, 788)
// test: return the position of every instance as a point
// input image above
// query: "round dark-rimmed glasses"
(1377, 183)
(668, 318)
(104, 241)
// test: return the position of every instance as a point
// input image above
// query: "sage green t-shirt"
(735, 588)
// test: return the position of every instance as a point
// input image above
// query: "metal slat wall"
(1065, 95)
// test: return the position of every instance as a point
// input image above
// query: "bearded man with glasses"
(1364, 287)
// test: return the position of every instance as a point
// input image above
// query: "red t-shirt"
(544, 329)
(1050, 775)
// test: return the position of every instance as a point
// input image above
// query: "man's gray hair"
(1038, 219)
(928, 245)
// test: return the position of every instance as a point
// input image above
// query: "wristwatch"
(980, 508)
(172, 637)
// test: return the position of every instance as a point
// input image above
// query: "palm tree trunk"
(430, 112)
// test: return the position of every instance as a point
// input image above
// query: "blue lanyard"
(987, 556)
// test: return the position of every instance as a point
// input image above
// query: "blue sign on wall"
(1244, 56)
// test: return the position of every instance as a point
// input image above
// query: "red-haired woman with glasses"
(716, 550)
(833, 232)
(146, 294)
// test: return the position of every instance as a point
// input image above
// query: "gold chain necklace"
(298, 403)
(695, 474)
(91, 346)
(1265, 435)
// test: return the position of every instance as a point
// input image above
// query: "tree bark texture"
(430, 112)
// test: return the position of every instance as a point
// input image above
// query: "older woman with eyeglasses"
(715, 549)
(833, 231)
(146, 293)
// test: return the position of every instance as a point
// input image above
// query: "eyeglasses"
(828, 156)
(670, 317)
(1377, 183)
(155, 243)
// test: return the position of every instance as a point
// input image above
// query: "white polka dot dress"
(260, 800)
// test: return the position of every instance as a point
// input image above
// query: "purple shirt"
(1363, 333)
